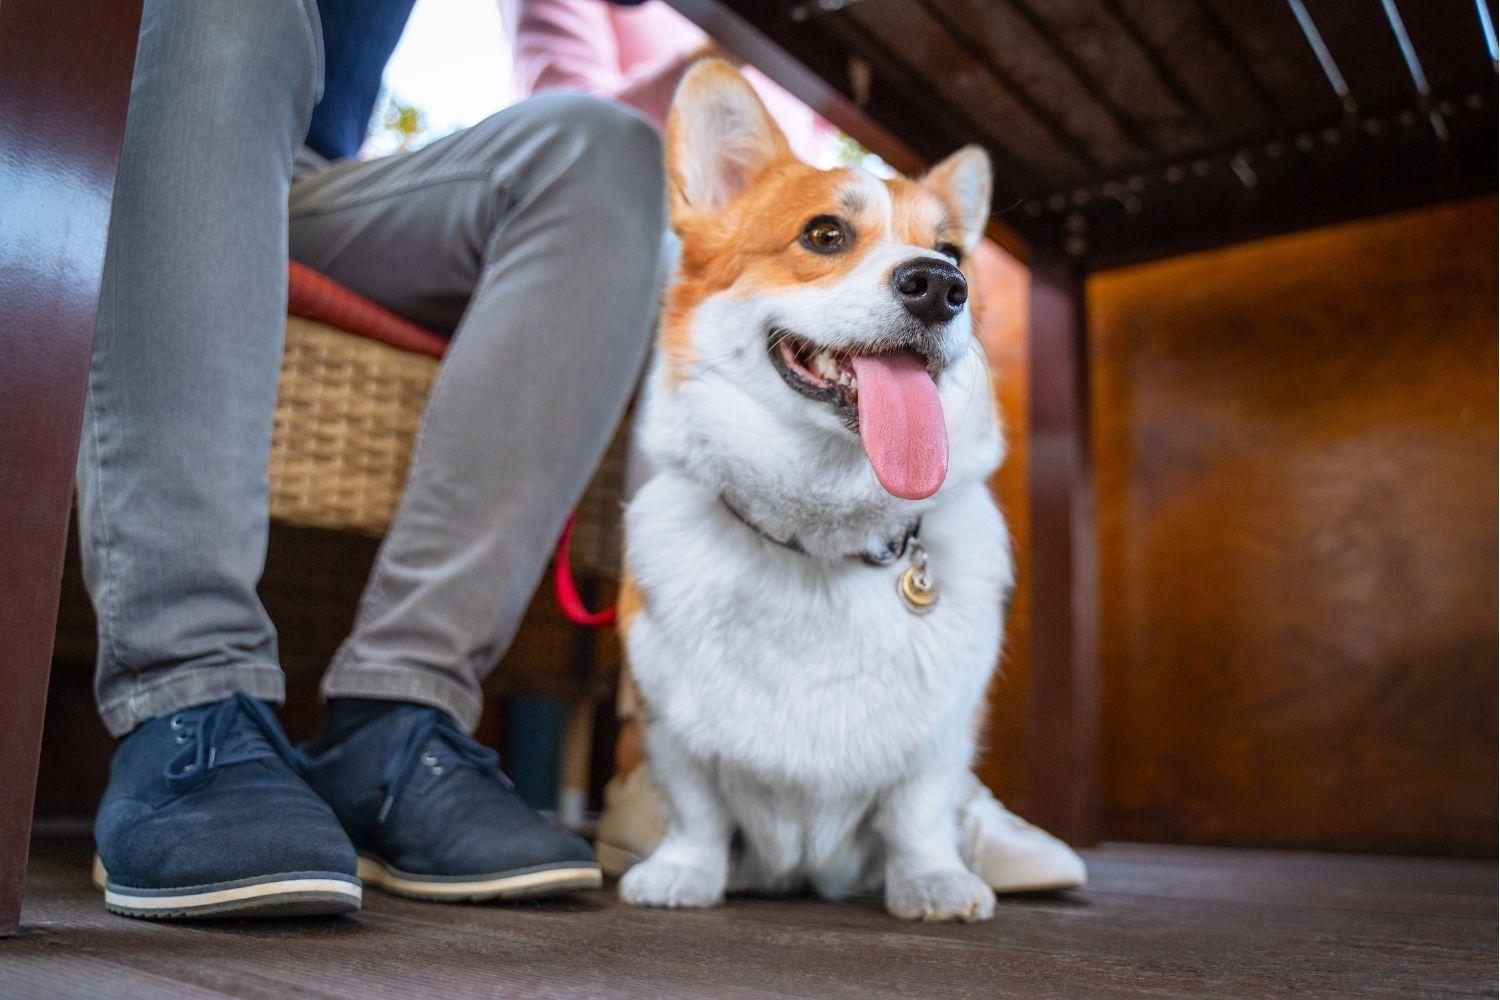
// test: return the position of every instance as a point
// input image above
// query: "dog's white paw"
(658, 882)
(941, 895)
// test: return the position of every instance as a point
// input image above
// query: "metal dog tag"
(918, 590)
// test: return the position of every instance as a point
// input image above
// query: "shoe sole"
(1024, 875)
(300, 894)
(529, 883)
(1021, 888)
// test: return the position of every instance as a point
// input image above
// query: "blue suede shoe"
(205, 815)
(433, 817)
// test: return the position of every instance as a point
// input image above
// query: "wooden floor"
(1155, 921)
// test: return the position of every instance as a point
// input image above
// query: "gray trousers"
(534, 237)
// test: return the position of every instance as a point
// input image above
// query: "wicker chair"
(354, 381)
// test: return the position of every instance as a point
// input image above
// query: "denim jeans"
(533, 237)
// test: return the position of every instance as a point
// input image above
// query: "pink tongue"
(901, 423)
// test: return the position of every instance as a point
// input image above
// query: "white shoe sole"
(1035, 874)
(528, 884)
(304, 894)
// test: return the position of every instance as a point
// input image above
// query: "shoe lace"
(233, 731)
(435, 741)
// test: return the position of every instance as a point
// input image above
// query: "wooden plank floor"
(1155, 921)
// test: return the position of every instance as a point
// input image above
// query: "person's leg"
(172, 482)
(204, 812)
(534, 236)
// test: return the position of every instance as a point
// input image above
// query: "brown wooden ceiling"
(1128, 129)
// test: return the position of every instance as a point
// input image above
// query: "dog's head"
(818, 311)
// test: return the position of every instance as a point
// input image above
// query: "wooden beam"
(1301, 180)
(64, 84)
(1269, 153)
(1064, 722)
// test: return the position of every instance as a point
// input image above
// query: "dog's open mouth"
(817, 373)
(889, 397)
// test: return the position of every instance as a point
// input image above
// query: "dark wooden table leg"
(64, 85)
(1064, 715)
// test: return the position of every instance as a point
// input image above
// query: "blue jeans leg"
(172, 481)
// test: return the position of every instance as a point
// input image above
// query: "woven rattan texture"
(347, 417)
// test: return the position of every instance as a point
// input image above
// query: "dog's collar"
(894, 548)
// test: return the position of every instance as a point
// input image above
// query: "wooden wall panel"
(1002, 300)
(1296, 464)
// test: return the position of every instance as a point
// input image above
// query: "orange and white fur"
(805, 727)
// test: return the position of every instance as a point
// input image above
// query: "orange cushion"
(318, 297)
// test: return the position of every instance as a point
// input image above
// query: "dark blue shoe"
(205, 815)
(433, 817)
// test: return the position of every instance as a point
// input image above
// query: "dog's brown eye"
(825, 234)
(951, 251)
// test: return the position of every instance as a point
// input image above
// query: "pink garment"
(634, 55)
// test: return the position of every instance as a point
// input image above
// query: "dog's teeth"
(823, 364)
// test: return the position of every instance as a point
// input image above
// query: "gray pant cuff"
(404, 684)
(189, 687)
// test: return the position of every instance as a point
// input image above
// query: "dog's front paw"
(941, 895)
(658, 882)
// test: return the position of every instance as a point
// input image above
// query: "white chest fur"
(804, 672)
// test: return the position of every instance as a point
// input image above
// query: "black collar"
(894, 549)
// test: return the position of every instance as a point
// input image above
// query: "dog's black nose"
(934, 291)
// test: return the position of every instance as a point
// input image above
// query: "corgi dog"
(815, 571)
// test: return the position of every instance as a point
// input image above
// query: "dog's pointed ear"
(719, 136)
(963, 183)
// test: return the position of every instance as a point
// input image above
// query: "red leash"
(566, 588)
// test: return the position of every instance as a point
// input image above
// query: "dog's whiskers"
(978, 350)
(710, 366)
